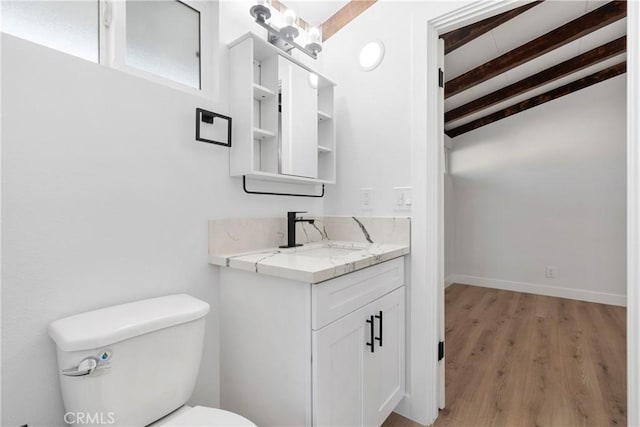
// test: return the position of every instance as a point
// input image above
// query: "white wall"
(373, 109)
(105, 200)
(546, 187)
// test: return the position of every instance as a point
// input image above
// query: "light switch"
(403, 198)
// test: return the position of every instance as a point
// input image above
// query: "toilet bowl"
(201, 416)
(136, 364)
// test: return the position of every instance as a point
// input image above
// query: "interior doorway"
(433, 185)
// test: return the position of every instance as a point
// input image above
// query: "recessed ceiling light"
(371, 55)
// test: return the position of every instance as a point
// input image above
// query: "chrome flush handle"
(85, 367)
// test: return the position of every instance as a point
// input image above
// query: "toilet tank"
(130, 364)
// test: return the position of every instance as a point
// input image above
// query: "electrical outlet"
(403, 198)
(365, 198)
(550, 272)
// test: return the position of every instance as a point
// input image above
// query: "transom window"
(167, 41)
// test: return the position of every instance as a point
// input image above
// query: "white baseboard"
(404, 407)
(534, 288)
(450, 280)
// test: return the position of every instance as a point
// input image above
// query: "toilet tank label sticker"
(104, 357)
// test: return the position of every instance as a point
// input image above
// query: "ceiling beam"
(600, 76)
(341, 18)
(560, 36)
(549, 75)
(457, 38)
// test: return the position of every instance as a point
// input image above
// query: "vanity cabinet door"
(338, 371)
(352, 385)
(384, 375)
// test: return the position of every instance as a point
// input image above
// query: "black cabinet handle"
(371, 334)
(379, 317)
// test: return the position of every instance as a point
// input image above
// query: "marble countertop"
(313, 262)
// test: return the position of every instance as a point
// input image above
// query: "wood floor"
(515, 359)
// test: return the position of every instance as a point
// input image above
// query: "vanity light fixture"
(284, 38)
(371, 55)
(289, 31)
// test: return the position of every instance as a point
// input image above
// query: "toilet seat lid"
(201, 416)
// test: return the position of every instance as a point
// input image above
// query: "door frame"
(427, 165)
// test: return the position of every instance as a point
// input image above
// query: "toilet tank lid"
(110, 325)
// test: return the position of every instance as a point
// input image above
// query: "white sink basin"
(328, 252)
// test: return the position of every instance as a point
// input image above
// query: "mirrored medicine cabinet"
(282, 111)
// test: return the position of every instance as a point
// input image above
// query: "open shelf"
(323, 149)
(261, 93)
(323, 116)
(262, 133)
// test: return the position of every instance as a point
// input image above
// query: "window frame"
(113, 44)
(59, 47)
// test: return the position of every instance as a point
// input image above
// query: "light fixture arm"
(276, 35)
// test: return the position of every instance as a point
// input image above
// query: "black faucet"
(291, 228)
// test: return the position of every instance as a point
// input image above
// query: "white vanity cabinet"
(325, 354)
(282, 110)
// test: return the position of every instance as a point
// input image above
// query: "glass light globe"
(371, 55)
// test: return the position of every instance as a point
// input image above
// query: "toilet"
(135, 364)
